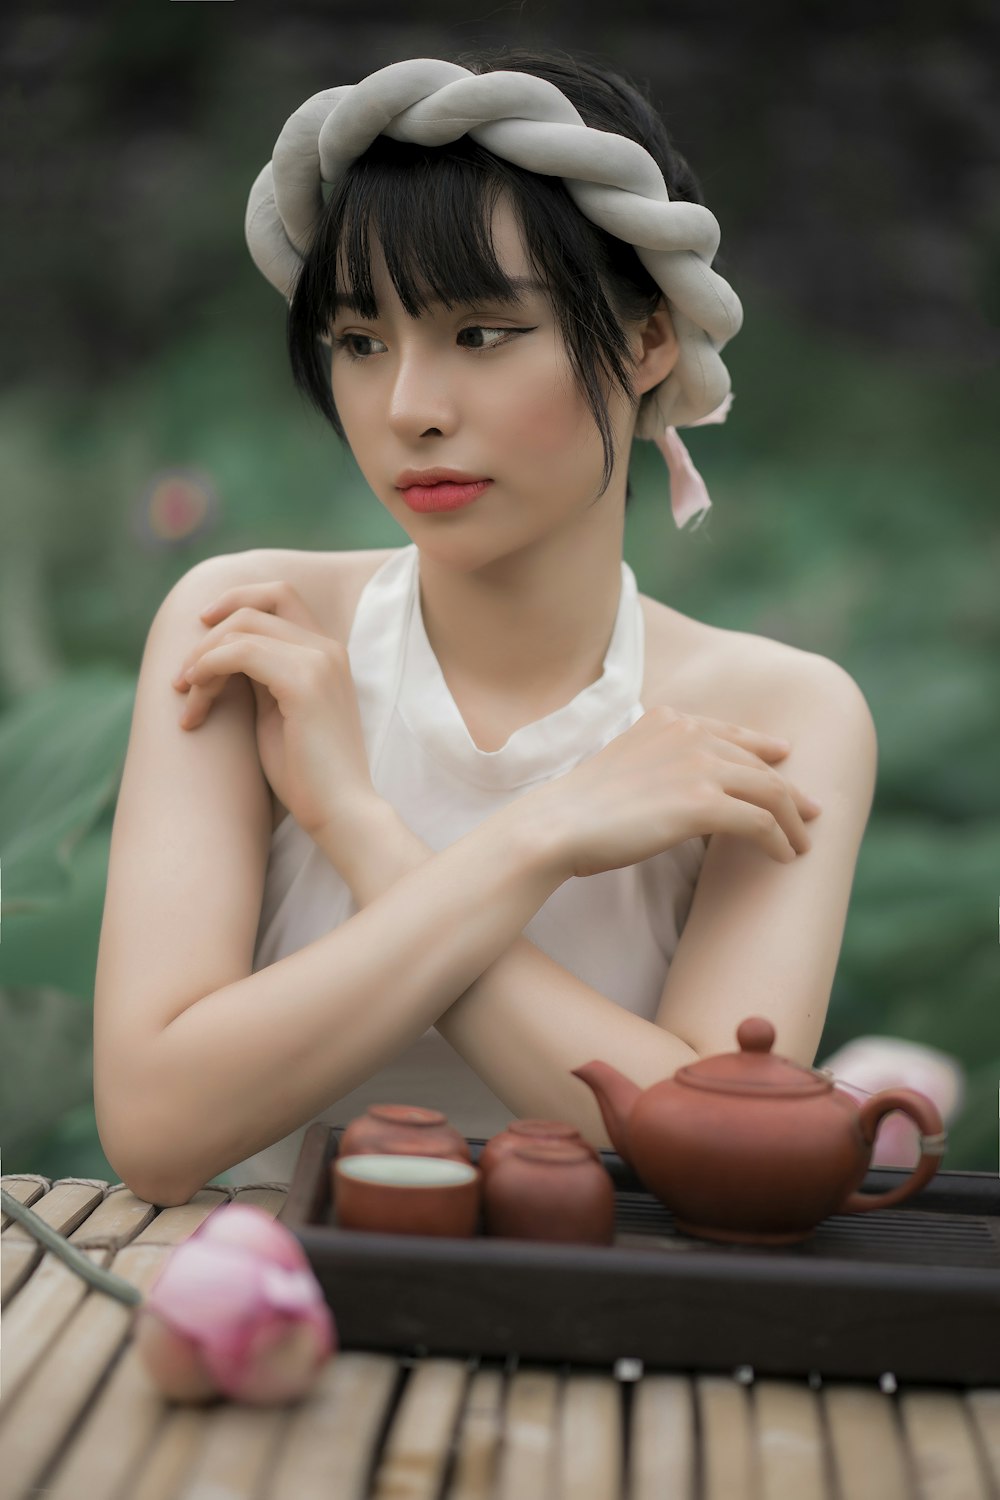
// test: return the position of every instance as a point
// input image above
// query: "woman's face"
(486, 390)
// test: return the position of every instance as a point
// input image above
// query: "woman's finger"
(743, 755)
(260, 658)
(808, 806)
(767, 746)
(747, 819)
(247, 620)
(768, 790)
(277, 597)
(749, 747)
(195, 709)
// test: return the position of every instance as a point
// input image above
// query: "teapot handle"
(933, 1138)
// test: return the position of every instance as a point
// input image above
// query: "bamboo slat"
(867, 1452)
(662, 1439)
(416, 1447)
(116, 1220)
(269, 1196)
(126, 1412)
(169, 1461)
(477, 1442)
(984, 1413)
(26, 1188)
(591, 1438)
(171, 1226)
(64, 1207)
(53, 1291)
(527, 1469)
(238, 1447)
(941, 1442)
(788, 1435)
(42, 1307)
(51, 1399)
(726, 1442)
(333, 1433)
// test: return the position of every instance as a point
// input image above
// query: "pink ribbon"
(688, 494)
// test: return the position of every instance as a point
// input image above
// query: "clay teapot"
(752, 1148)
(550, 1190)
(520, 1132)
(403, 1129)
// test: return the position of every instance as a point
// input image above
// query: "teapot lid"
(753, 1070)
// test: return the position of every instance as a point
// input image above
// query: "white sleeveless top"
(617, 931)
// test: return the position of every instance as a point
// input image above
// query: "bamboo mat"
(79, 1419)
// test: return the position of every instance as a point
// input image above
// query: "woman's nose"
(422, 397)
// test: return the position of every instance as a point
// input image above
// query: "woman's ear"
(655, 348)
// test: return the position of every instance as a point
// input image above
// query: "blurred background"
(148, 420)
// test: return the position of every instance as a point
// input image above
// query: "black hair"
(412, 197)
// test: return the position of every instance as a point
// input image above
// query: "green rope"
(105, 1281)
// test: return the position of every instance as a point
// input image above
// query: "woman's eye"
(348, 342)
(502, 334)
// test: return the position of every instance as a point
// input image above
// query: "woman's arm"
(243, 1067)
(762, 937)
(198, 1062)
(526, 1020)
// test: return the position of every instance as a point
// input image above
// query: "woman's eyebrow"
(347, 300)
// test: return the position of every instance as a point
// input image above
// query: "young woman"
(439, 823)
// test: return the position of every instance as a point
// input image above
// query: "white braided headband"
(612, 180)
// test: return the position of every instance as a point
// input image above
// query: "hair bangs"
(430, 211)
(433, 226)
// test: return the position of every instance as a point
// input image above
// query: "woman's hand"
(671, 777)
(309, 734)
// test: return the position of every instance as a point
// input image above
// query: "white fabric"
(616, 931)
(612, 180)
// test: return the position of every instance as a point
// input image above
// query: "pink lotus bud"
(872, 1063)
(236, 1311)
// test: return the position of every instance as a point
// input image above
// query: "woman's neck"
(524, 627)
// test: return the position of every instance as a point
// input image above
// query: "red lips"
(425, 477)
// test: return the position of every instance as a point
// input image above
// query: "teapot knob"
(755, 1034)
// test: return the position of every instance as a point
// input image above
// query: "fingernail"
(816, 806)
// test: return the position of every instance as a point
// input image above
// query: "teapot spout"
(615, 1095)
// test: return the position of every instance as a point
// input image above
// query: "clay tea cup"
(523, 1132)
(403, 1129)
(550, 1190)
(406, 1194)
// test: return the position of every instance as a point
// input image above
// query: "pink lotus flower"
(236, 1311)
(871, 1063)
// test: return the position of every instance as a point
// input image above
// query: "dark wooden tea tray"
(913, 1290)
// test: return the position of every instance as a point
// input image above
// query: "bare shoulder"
(786, 680)
(744, 678)
(330, 583)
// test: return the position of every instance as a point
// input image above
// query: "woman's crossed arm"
(200, 1063)
(761, 938)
